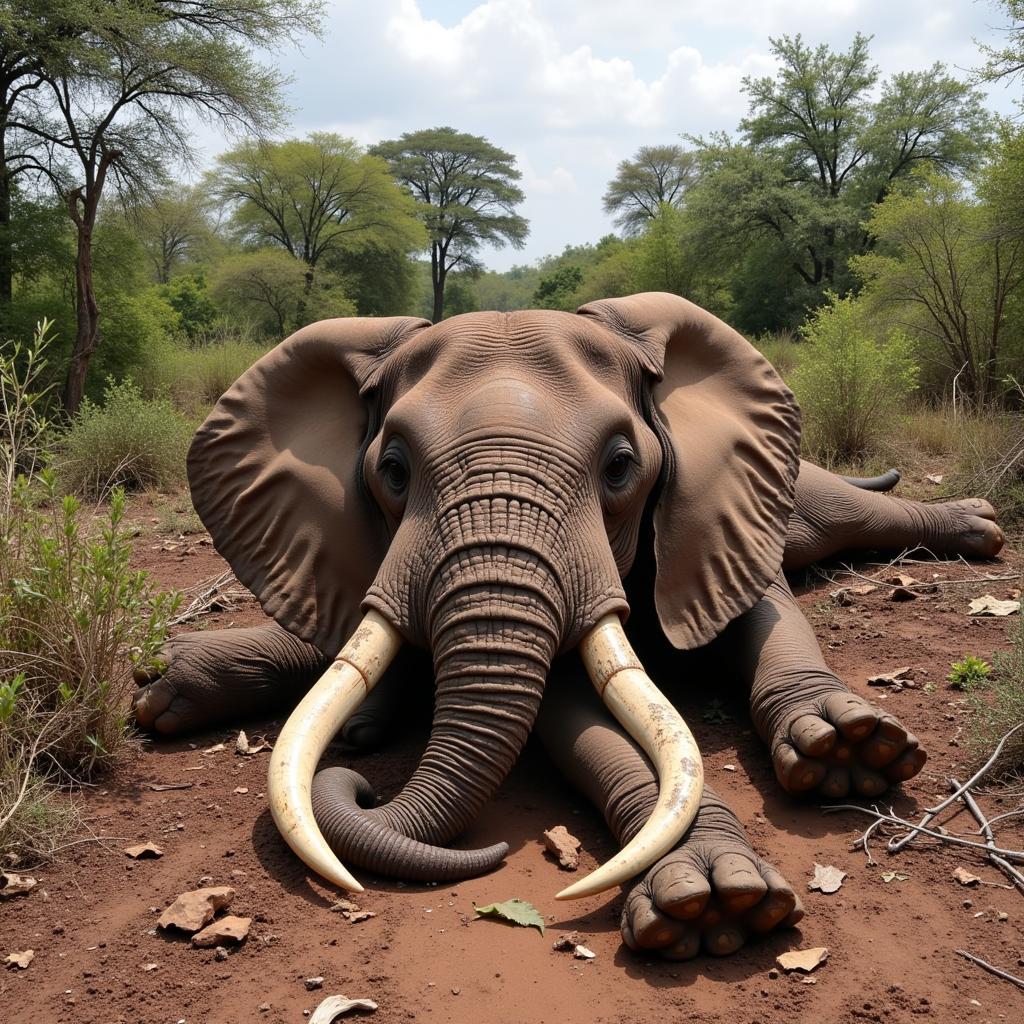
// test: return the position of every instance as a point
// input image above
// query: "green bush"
(968, 673)
(74, 617)
(849, 385)
(128, 441)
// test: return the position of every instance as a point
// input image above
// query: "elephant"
(504, 491)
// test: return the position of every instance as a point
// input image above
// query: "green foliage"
(278, 292)
(558, 290)
(74, 617)
(515, 911)
(189, 297)
(849, 384)
(968, 673)
(316, 198)
(1000, 707)
(127, 441)
(945, 270)
(1006, 61)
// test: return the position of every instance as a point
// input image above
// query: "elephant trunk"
(493, 643)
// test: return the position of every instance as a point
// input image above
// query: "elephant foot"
(206, 679)
(970, 529)
(711, 893)
(837, 743)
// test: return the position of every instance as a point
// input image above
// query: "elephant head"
(477, 487)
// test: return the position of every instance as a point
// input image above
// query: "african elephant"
(501, 489)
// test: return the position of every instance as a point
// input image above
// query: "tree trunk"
(87, 313)
(437, 276)
(6, 245)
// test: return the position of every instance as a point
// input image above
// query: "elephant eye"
(394, 470)
(618, 466)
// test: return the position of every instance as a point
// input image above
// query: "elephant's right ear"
(276, 477)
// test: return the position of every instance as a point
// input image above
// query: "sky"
(572, 87)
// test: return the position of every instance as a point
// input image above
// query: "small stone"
(312, 984)
(220, 953)
(562, 844)
(144, 850)
(20, 960)
(803, 959)
(773, 973)
(456, 991)
(240, 790)
(1002, 916)
(150, 967)
(263, 1007)
(967, 904)
(227, 929)
(583, 953)
(15, 885)
(194, 910)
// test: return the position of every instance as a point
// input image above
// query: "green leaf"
(515, 911)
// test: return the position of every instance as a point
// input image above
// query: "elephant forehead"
(505, 402)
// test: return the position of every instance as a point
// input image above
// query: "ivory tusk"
(310, 727)
(654, 723)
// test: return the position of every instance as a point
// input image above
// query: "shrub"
(968, 673)
(129, 441)
(1000, 708)
(73, 618)
(849, 385)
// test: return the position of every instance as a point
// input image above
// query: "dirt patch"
(99, 956)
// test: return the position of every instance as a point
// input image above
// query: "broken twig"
(986, 828)
(985, 965)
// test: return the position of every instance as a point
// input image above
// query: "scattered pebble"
(314, 983)
(194, 910)
(20, 960)
(144, 851)
(227, 929)
(562, 844)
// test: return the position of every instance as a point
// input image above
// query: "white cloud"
(573, 88)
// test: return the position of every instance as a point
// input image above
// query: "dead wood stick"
(943, 837)
(986, 827)
(985, 965)
(895, 845)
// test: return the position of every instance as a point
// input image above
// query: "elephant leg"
(712, 892)
(210, 678)
(832, 515)
(822, 737)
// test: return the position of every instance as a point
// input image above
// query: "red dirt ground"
(91, 920)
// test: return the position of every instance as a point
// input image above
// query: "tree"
(316, 198)
(467, 194)
(817, 150)
(113, 107)
(1006, 61)
(945, 269)
(558, 290)
(656, 176)
(173, 229)
(272, 287)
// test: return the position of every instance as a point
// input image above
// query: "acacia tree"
(315, 197)
(172, 227)
(656, 176)
(817, 150)
(1006, 61)
(115, 107)
(467, 194)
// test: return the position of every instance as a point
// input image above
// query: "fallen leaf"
(20, 960)
(827, 879)
(964, 877)
(334, 1007)
(894, 876)
(15, 885)
(803, 959)
(215, 749)
(144, 850)
(897, 675)
(515, 911)
(989, 605)
(559, 842)
(243, 746)
(360, 915)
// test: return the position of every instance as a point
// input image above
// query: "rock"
(334, 1007)
(582, 953)
(194, 910)
(15, 885)
(20, 960)
(773, 973)
(144, 851)
(1002, 916)
(241, 790)
(227, 929)
(803, 959)
(964, 877)
(564, 846)
(359, 916)
(934, 478)
(567, 943)
(220, 953)
(314, 983)
(897, 675)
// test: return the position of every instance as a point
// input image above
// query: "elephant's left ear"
(731, 465)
